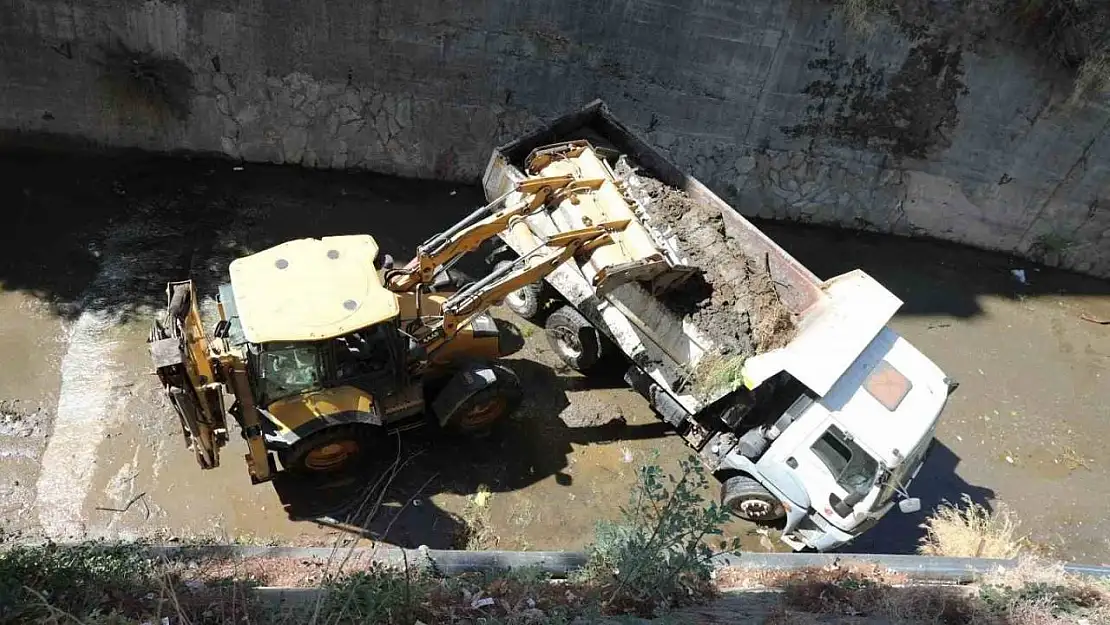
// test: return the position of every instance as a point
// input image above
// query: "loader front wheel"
(525, 301)
(573, 339)
(331, 450)
(478, 413)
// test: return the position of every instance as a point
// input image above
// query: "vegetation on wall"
(1074, 34)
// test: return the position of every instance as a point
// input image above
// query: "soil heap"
(734, 299)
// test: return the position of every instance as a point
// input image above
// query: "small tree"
(656, 556)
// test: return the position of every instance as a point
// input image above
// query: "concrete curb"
(559, 563)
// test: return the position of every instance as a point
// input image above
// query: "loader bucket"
(179, 352)
(637, 252)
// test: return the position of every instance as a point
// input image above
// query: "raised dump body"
(790, 418)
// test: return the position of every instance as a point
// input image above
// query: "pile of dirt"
(734, 299)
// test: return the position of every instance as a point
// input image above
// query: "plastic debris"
(483, 602)
(1019, 275)
(482, 497)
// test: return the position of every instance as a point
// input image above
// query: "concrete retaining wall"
(770, 102)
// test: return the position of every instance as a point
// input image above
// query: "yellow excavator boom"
(478, 227)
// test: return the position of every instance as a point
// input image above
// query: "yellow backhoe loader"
(323, 346)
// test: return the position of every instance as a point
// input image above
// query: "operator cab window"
(853, 468)
(368, 352)
(289, 370)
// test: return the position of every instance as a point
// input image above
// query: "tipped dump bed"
(665, 344)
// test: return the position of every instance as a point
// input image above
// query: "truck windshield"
(286, 371)
(853, 468)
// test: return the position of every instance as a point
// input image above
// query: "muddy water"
(1024, 429)
(32, 340)
(1028, 426)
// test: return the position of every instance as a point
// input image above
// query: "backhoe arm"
(478, 227)
(461, 308)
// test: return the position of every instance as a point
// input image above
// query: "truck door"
(838, 473)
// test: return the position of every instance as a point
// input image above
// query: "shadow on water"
(937, 482)
(389, 498)
(930, 277)
(70, 214)
(106, 232)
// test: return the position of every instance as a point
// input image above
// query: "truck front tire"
(574, 339)
(749, 500)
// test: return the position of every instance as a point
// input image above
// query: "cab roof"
(310, 290)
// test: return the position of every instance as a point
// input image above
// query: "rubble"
(733, 299)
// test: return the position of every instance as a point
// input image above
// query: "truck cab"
(838, 461)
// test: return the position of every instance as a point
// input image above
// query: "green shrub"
(91, 579)
(656, 556)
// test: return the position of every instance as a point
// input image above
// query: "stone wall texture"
(772, 103)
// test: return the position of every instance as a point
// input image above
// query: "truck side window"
(852, 467)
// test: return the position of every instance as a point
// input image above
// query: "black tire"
(749, 500)
(574, 339)
(482, 411)
(329, 451)
(525, 301)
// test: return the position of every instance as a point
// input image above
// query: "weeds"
(859, 15)
(971, 532)
(656, 556)
(1074, 34)
(715, 375)
(93, 578)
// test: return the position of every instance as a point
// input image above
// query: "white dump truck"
(820, 431)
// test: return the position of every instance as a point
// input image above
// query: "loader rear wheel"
(525, 301)
(331, 450)
(574, 339)
(749, 500)
(478, 413)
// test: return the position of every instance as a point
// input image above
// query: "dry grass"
(859, 15)
(1093, 77)
(1073, 34)
(971, 532)
(715, 375)
(1034, 592)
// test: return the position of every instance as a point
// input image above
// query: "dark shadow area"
(898, 533)
(107, 231)
(931, 277)
(532, 446)
(126, 222)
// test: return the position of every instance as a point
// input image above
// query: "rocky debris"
(733, 299)
(15, 421)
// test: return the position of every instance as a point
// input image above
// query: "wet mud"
(733, 299)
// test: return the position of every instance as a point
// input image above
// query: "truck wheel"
(525, 301)
(749, 500)
(574, 339)
(331, 450)
(479, 412)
